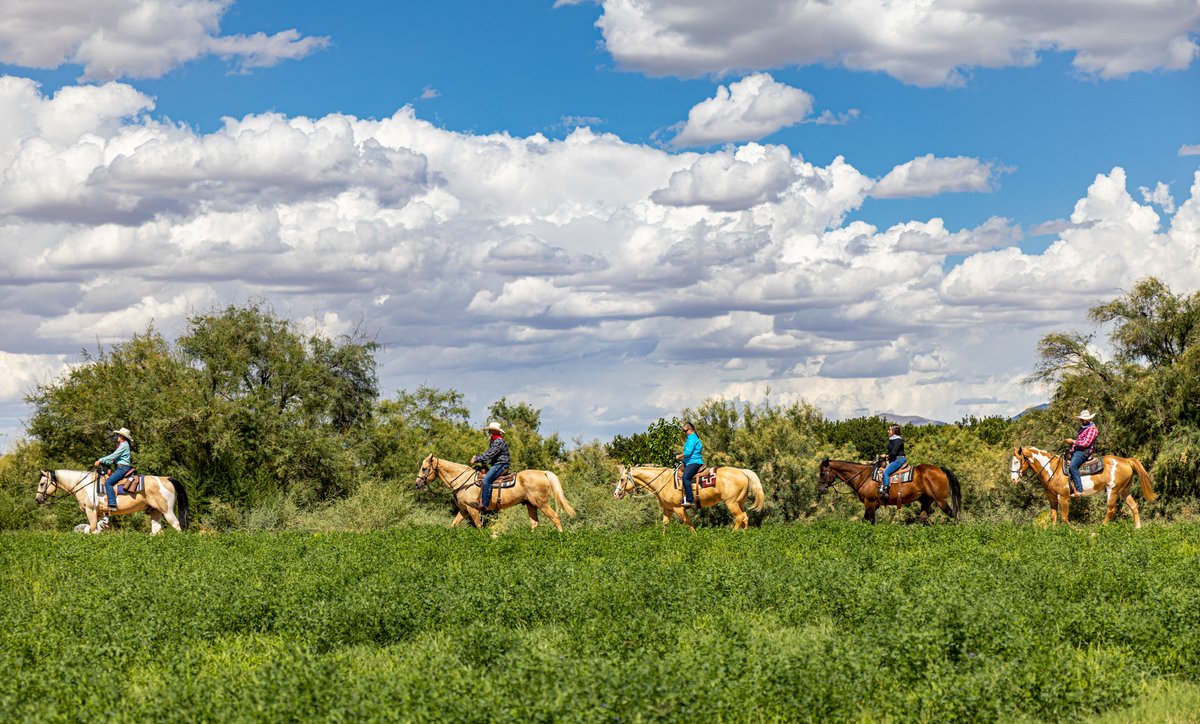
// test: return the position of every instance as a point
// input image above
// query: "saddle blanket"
(506, 480)
(1091, 466)
(706, 477)
(903, 475)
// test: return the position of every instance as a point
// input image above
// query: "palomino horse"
(733, 487)
(1116, 480)
(158, 497)
(930, 484)
(532, 487)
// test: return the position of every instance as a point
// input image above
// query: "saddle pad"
(903, 475)
(1092, 466)
(706, 477)
(506, 480)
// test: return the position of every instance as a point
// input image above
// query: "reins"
(83, 482)
(648, 486)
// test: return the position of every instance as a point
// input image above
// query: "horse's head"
(428, 470)
(47, 484)
(1018, 465)
(826, 478)
(625, 482)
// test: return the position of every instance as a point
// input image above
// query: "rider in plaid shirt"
(1081, 449)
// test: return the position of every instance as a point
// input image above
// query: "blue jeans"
(892, 467)
(689, 474)
(1079, 457)
(485, 498)
(110, 485)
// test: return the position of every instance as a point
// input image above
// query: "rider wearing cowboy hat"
(497, 457)
(1081, 449)
(122, 461)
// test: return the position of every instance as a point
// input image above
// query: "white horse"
(158, 497)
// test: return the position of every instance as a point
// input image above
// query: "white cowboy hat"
(1085, 415)
(123, 432)
(494, 426)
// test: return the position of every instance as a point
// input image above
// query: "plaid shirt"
(1085, 438)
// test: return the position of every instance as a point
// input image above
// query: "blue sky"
(881, 283)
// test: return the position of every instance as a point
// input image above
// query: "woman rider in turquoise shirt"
(693, 460)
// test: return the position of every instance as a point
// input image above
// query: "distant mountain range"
(922, 421)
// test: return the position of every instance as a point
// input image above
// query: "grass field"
(829, 621)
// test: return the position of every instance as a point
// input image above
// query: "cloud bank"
(928, 43)
(602, 280)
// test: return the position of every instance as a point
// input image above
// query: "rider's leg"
(485, 497)
(689, 474)
(887, 474)
(1077, 459)
(110, 485)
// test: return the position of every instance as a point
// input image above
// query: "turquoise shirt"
(120, 456)
(693, 450)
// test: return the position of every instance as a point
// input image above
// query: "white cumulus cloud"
(746, 110)
(930, 175)
(135, 38)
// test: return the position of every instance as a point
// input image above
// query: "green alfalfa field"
(829, 621)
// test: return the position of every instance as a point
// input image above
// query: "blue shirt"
(120, 456)
(693, 450)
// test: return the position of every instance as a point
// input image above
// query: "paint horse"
(930, 485)
(733, 486)
(534, 488)
(1115, 478)
(158, 496)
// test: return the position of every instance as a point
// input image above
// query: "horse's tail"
(181, 500)
(760, 498)
(1143, 477)
(556, 485)
(955, 492)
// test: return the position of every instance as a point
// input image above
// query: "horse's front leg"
(93, 515)
(869, 513)
(458, 518)
(687, 520)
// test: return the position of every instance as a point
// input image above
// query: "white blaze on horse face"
(1014, 469)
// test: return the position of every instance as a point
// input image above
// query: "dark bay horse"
(930, 484)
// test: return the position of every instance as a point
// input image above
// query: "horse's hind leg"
(155, 521)
(926, 508)
(740, 518)
(532, 510)
(1133, 507)
(545, 508)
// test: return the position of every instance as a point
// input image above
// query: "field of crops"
(829, 621)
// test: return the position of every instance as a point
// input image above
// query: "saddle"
(1091, 466)
(506, 480)
(706, 477)
(903, 475)
(130, 483)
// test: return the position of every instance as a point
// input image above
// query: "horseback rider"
(1081, 449)
(497, 457)
(896, 459)
(122, 461)
(692, 459)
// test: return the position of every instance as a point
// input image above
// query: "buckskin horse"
(1115, 478)
(158, 496)
(531, 487)
(733, 486)
(930, 484)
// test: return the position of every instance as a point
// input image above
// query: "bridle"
(848, 481)
(50, 496)
(424, 478)
(1028, 463)
(622, 490)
